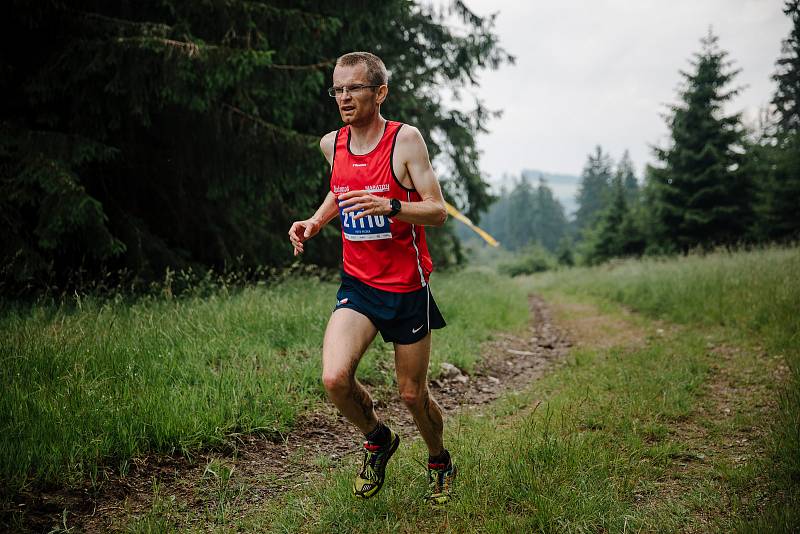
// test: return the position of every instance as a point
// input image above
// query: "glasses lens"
(351, 90)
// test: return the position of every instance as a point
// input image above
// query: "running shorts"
(403, 318)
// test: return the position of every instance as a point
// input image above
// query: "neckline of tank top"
(349, 133)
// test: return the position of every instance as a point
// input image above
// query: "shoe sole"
(392, 449)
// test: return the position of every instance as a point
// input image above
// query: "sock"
(379, 435)
(443, 458)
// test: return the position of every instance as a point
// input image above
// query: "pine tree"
(549, 222)
(608, 240)
(787, 95)
(628, 176)
(185, 134)
(520, 226)
(703, 197)
(526, 215)
(780, 207)
(593, 192)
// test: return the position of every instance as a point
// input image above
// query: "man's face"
(359, 107)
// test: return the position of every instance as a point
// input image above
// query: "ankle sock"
(442, 458)
(379, 435)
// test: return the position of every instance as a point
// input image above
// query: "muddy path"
(252, 468)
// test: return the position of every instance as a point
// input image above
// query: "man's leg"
(411, 364)
(347, 337)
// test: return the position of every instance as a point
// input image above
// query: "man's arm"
(412, 155)
(304, 230)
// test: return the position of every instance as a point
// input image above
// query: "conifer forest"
(622, 341)
(144, 136)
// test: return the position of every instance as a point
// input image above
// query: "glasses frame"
(353, 89)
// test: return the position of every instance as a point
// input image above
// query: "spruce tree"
(627, 175)
(550, 222)
(181, 134)
(787, 95)
(593, 192)
(607, 239)
(703, 197)
(520, 226)
(527, 215)
(780, 208)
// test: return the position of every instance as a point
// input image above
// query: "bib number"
(367, 228)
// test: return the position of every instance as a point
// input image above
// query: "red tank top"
(387, 254)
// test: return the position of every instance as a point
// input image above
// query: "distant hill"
(564, 186)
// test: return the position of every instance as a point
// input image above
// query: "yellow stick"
(464, 219)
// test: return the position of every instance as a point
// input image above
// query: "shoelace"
(437, 482)
(371, 457)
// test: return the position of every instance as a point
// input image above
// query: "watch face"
(395, 204)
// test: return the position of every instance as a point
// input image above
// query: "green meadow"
(599, 444)
(93, 383)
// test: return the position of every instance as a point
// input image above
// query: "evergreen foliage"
(626, 174)
(564, 253)
(179, 134)
(780, 152)
(526, 215)
(787, 94)
(594, 190)
(702, 194)
(616, 233)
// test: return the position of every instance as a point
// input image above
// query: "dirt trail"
(727, 430)
(728, 426)
(254, 468)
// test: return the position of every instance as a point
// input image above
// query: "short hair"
(376, 70)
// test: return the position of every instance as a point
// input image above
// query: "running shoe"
(369, 480)
(440, 483)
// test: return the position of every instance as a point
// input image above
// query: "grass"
(603, 451)
(91, 384)
(755, 297)
(578, 462)
(755, 294)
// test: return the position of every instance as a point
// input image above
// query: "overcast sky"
(601, 71)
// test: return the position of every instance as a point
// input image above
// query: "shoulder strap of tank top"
(391, 157)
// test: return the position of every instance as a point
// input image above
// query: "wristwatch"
(395, 205)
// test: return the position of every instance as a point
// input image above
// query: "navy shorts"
(403, 318)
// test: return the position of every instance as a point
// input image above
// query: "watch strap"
(395, 204)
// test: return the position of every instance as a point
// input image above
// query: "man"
(384, 191)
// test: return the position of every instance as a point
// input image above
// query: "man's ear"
(382, 93)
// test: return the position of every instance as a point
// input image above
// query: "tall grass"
(599, 454)
(577, 463)
(755, 295)
(94, 383)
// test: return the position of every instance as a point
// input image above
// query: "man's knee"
(337, 382)
(414, 395)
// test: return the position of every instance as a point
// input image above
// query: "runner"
(384, 191)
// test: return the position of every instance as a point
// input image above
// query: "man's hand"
(301, 231)
(363, 200)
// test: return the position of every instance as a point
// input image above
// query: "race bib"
(367, 228)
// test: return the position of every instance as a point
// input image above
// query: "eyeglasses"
(352, 89)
